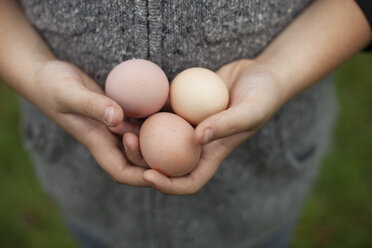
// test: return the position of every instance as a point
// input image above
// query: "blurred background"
(338, 212)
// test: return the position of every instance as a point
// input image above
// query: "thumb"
(93, 105)
(236, 119)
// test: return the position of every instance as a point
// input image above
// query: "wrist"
(27, 82)
(22, 49)
(269, 71)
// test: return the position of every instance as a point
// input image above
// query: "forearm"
(327, 34)
(22, 50)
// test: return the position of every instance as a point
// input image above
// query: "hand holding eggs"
(167, 140)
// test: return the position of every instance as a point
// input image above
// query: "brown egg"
(168, 145)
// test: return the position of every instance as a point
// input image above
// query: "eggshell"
(139, 86)
(198, 93)
(168, 145)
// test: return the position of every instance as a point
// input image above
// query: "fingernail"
(109, 114)
(208, 135)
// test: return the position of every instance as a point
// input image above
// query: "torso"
(257, 188)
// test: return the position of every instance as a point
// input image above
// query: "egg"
(168, 145)
(139, 86)
(197, 93)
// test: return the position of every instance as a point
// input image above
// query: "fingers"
(236, 119)
(212, 156)
(112, 160)
(186, 185)
(169, 185)
(132, 150)
(104, 147)
(130, 131)
(80, 100)
(192, 182)
(126, 126)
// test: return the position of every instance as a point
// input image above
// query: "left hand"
(255, 95)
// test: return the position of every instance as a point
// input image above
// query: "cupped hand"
(78, 105)
(255, 95)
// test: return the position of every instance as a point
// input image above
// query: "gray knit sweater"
(258, 188)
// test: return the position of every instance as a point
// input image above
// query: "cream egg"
(198, 93)
(139, 86)
(168, 145)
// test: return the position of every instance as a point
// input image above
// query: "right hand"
(78, 105)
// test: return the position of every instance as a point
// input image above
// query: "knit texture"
(258, 189)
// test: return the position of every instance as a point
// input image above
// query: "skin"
(79, 107)
(323, 37)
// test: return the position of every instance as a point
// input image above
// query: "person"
(259, 157)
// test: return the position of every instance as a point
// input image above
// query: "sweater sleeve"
(366, 7)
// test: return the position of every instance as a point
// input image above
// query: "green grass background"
(338, 212)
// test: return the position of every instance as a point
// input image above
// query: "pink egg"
(139, 86)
